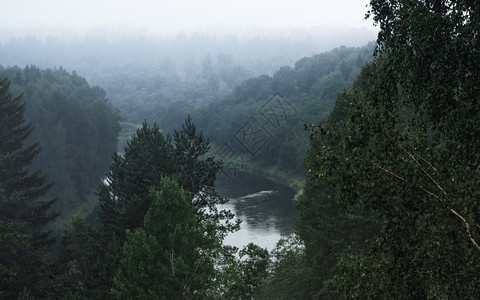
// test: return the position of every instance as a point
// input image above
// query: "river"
(267, 209)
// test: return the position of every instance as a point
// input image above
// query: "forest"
(108, 190)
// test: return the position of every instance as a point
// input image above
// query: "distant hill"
(76, 127)
(260, 125)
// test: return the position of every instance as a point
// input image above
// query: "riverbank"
(293, 180)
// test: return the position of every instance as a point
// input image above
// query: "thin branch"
(407, 152)
(413, 158)
(467, 225)
(426, 161)
(381, 168)
(172, 253)
(467, 228)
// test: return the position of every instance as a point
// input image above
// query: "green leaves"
(170, 256)
(244, 277)
(400, 145)
(159, 198)
(76, 127)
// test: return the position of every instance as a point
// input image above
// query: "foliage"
(148, 156)
(290, 276)
(24, 212)
(405, 152)
(12, 243)
(153, 78)
(170, 257)
(161, 230)
(76, 126)
(310, 88)
(242, 276)
(126, 197)
(197, 174)
(327, 226)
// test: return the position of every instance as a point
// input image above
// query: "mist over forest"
(151, 72)
(241, 162)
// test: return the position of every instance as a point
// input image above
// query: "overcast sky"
(177, 15)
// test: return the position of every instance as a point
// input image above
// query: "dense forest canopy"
(216, 85)
(24, 212)
(394, 169)
(148, 77)
(280, 105)
(77, 128)
(389, 207)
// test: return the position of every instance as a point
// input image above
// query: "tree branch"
(454, 212)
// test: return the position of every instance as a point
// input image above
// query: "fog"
(146, 53)
(202, 94)
(66, 18)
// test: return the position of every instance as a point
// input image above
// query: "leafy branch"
(413, 157)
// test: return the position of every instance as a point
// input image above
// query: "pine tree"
(22, 208)
(124, 201)
(196, 173)
(148, 156)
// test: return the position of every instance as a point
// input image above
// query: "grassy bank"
(278, 175)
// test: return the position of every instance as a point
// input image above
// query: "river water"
(267, 209)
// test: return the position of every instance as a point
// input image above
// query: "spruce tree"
(148, 156)
(124, 201)
(22, 208)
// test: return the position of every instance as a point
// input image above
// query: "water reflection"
(266, 209)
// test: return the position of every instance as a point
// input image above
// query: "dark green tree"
(241, 276)
(22, 206)
(148, 156)
(12, 241)
(196, 173)
(326, 226)
(171, 256)
(290, 276)
(77, 128)
(408, 154)
(125, 199)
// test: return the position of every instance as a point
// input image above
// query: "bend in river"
(266, 208)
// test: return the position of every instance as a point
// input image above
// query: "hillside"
(259, 127)
(76, 127)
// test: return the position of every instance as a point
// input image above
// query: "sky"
(177, 15)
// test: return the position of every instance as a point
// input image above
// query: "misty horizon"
(129, 31)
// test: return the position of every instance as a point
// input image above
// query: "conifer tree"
(147, 157)
(196, 173)
(124, 196)
(22, 208)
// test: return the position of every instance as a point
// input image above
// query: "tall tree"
(22, 207)
(325, 225)
(125, 199)
(408, 153)
(196, 173)
(148, 156)
(170, 257)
